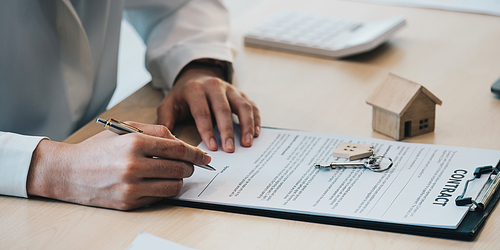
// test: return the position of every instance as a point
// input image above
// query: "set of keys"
(353, 151)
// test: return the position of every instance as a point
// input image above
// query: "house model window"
(402, 108)
(424, 124)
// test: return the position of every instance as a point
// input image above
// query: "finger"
(153, 130)
(256, 119)
(160, 187)
(171, 149)
(166, 115)
(256, 114)
(200, 110)
(244, 110)
(222, 112)
(164, 168)
(169, 111)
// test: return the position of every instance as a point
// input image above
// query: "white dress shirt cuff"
(181, 55)
(15, 158)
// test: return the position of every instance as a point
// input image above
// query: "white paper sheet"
(151, 242)
(490, 7)
(277, 173)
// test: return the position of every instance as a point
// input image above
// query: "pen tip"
(210, 167)
(207, 167)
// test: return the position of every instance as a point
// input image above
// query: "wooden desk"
(455, 55)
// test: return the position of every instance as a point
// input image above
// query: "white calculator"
(321, 35)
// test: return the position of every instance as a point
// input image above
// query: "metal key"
(372, 163)
(334, 165)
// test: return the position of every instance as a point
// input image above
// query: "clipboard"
(468, 229)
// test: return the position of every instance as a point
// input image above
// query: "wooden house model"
(402, 108)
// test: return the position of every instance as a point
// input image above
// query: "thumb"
(167, 114)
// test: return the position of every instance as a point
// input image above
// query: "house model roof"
(396, 94)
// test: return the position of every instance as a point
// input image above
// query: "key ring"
(353, 151)
(373, 163)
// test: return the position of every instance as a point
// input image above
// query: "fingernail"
(257, 131)
(213, 143)
(206, 158)
(229, 144)
(249, 138)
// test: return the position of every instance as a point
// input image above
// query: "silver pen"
(121, 128)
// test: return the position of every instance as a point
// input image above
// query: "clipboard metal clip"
(486, 192)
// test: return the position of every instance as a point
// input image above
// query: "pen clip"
(118, 127)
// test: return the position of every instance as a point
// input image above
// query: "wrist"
(207, 67)
(45, 170)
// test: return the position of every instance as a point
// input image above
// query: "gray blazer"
(58, 58)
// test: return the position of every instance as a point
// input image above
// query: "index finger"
(223, 115)
(172, 149)
(153, 130)
(200, 110)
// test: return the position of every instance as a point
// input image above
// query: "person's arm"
(179, 44)
(114, 171)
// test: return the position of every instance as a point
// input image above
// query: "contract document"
(277, 174)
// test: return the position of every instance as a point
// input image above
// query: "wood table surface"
(454, 55)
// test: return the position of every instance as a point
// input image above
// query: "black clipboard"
(466, 231)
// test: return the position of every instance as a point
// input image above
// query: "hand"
(114, 171)
(200, 93)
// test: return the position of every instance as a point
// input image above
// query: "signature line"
(208, 184)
